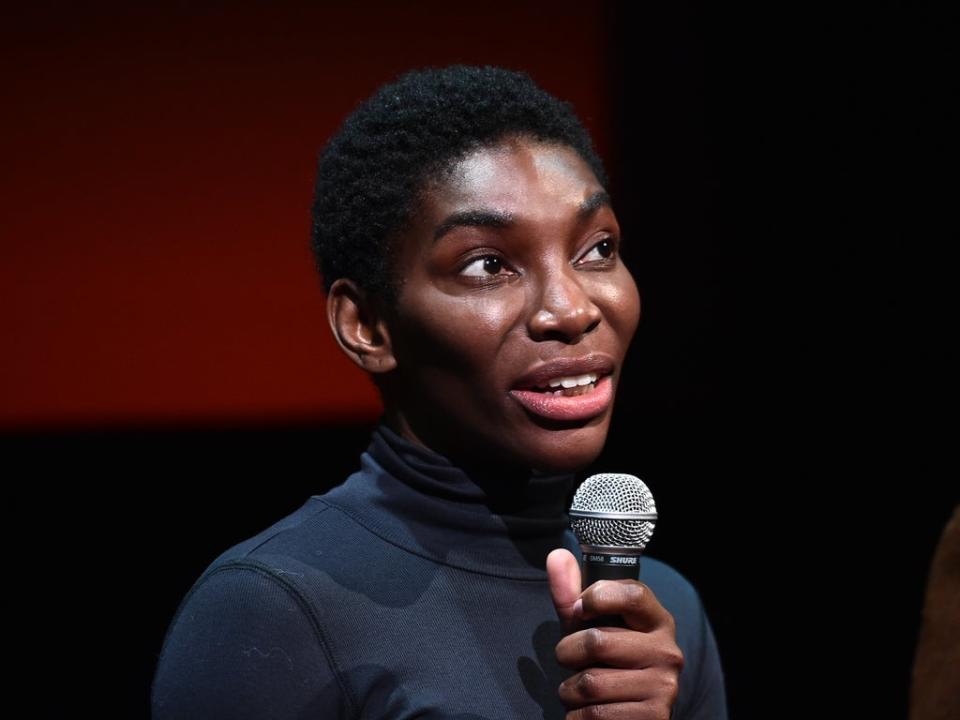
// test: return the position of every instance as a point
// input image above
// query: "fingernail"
(578, 608)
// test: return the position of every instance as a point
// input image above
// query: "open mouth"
(586, 397)
(571, 386)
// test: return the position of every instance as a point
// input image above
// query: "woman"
(470, 255)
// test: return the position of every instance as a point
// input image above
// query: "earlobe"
(358, 327)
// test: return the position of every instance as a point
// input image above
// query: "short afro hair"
(371, 172)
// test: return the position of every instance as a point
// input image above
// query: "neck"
(486, 473)
(492, 520)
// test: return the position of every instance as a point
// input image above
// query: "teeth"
(569, 382)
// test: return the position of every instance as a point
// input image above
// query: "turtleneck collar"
(496, 524)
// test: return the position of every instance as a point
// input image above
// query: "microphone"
(613, 516)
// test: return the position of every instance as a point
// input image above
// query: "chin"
(569, 450)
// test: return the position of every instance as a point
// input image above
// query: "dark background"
(784, 178)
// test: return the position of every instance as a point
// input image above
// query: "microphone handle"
(609, 566)
(603, 566)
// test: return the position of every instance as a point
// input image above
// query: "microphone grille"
(613, 493)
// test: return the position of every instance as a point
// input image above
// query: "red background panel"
(157, 179)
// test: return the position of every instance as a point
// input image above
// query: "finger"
(618, 647)
(631, 600)
(608, 685)
(621, 711)
(563, 571)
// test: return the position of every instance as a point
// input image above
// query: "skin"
(480, 305)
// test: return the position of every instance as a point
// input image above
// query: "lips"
(528, 390)
(540, 376)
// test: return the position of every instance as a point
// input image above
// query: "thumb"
(563, 571)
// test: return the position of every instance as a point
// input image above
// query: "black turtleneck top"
(415, 589)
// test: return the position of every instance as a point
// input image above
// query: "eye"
(606, 248)
(483, 267)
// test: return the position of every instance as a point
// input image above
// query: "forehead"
(512, 175)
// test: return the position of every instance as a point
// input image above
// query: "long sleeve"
(245, 644)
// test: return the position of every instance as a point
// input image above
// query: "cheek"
(621, 304)
(461, 335)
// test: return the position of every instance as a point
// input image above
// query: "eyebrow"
(484, 217)
(593, 203)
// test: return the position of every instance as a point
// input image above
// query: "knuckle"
(635, 599)
(594, 712)
(594, 643)
(588, 685)
(676, 659)
(596, 595)
(671, 687)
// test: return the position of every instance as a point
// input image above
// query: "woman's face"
(511, 263)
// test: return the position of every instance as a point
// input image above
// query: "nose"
(564, 309)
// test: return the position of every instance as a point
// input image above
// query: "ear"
(359, 327)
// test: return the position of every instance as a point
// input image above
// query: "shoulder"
(674, 591)
(307, 525)
(285, 567)
(681, 599)
(252, 621)
(702, 691)
(245, 646)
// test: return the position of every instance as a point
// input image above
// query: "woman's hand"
(624, 672)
